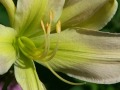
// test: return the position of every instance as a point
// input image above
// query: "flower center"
(29, 49)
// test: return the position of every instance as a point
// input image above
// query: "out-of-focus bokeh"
(53, 83)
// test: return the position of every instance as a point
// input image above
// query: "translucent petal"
(6, 34)
(91, 14)
(26, 75)
(7, 57)
(56, 6)
(91, 56)
(7, 51)
(30, 12)
(101, 17)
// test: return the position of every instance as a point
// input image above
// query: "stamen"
(53, 53)
(62, 79)
(45, 56)
(46, 33)
(43, 26)
(47, 25)
(58, 27)
(48, 28)
(51, 16)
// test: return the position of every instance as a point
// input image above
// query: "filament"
(62, 79)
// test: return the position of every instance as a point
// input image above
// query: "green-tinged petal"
(26, 75)
(7, 57)
(7, 34)
(30, 12)
(91, 56)
(54, 6)
(101, 17)
(91, 14)
(26, 12)
(7, 51)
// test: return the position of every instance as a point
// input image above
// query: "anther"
(46, 56)
(48, 29)
(58, 27)
(51, 16)
(47, 25)
(43, 26)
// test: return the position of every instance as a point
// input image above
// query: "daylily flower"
(75, 48)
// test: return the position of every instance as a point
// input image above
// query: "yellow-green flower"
(63, 36)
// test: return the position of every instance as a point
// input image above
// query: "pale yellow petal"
(26, 75)
(30, 12)
(7, 34)
(56, 7)
(7, 51)
(91, 14)
(91, 56)
(101, 17)
(7, 57)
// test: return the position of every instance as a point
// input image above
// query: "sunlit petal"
(91, 14)
(7, 51)
(26, 75)
(91, 56)
(101, 17)
(30, 12)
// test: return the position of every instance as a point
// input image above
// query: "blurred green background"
(53, 83)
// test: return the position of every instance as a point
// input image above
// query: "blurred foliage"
(53, 83)
(3, 16)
